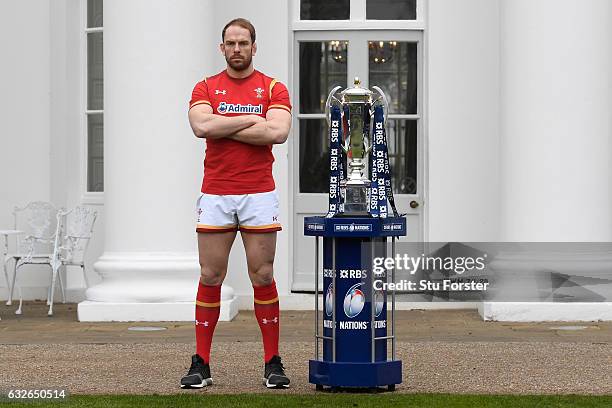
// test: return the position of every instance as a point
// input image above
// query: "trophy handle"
(367, 146)
(385, 102)
(328, 103)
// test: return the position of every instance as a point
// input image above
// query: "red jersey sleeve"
(199, 94)
(279, 96)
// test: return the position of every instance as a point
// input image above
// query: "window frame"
(352, 36)
(357, 20)
(87, 197)
(335, 30)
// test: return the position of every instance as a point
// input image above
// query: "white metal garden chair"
(37, 222)
(73, 233)
(75, 230)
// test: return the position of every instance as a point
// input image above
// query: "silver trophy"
(357, 144)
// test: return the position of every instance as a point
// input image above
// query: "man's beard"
(239, 64)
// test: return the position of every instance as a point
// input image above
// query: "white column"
(154, 52)
(556, 137)
(556, 99)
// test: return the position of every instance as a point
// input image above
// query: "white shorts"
(245, 212)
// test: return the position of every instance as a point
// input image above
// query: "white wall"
(24, 104)
(463, 108)
(24, 108)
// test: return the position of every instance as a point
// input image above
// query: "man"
(241, 113)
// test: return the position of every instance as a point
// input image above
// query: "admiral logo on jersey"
(225, 107)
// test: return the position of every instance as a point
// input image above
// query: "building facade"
(500, 126)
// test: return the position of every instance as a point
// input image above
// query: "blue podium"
(356, 325)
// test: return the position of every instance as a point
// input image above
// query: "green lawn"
(324, 400)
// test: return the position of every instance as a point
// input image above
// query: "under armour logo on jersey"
(222, 91)
(266, 321)
(259, 91)
(198, 323)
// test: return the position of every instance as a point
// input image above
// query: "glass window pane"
(391, 9)
(402, 142)
(94, 13)
(322, 67)
(95, 72)
(314, 156)
(393, 67)
(95, 152)
(325, 10)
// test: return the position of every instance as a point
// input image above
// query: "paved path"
(442, 351)
(34, 327)
(508, 368)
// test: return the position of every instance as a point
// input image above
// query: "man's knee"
(262, 276)
(211, 276)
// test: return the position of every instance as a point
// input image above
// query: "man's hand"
(207, 125)
(273, 130)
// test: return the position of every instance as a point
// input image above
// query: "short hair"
(240, 22)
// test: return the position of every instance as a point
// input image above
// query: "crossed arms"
(251, 129)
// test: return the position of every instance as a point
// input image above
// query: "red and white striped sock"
(208, 304)
(268, 317)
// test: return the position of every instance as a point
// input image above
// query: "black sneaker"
(274, 374)
(198, 375)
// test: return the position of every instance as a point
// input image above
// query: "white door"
(392, 60)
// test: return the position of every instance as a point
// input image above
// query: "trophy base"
(353, 215)
(342, 374)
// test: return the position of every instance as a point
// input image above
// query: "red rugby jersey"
(232, 167)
